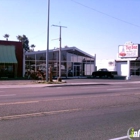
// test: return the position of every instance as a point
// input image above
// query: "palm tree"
(32, 46)
(6, 36)
(25, 41)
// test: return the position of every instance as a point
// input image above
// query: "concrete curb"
(76, 84)
(67, 84)
(50, 85)
(92, 84)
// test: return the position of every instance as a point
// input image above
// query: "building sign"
(128, 50)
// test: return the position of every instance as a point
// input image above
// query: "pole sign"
(128, 50)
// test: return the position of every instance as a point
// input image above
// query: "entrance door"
(76, 70)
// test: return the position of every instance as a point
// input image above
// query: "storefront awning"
(7, 54)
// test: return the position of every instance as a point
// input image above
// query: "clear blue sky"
(94, 26)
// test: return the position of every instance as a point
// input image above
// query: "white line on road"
(70, 98)
(38, 114)
(8, 95)
(14, 103)
(120, 138)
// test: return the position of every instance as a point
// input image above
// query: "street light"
(47, 51)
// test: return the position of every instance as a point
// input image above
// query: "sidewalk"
(69, 82)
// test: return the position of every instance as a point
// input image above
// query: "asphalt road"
(69, 113)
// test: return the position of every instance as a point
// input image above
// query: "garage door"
(121, 68)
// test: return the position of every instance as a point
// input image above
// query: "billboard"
(128, 50)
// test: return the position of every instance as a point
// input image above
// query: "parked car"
(103, 73)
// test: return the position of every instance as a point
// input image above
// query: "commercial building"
(11, 59)
(74, 62)
(127, 61)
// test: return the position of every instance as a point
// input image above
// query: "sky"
(94, 26)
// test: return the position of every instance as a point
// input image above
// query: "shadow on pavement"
(115, 78)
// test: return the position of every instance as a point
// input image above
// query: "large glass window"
(6, 70)
(80, 58)
(71, 64)
(74, 58)
(41, 56)
(30, 57)
(64, 56)
(29, 65)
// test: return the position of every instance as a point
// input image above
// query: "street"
(97, 112)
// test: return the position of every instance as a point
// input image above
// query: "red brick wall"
(19, 54)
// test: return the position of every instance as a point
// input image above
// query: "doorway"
(76, 70)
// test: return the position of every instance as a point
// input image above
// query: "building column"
(95, 68)
(128, 70)
(23, 74)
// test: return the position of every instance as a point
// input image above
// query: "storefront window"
(69, 57)
(29, 65)
(41, 56)
(6, 70)
(74, 58)
(30, 57)
(80, 58)
(71, 64)
(64, 56)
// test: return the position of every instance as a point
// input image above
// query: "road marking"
(14, 103)
(38, 114)
(120, 138)
(8, 95)
(70, 98)
(121, 88)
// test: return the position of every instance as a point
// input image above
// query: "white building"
(127, 61)
(109, 64)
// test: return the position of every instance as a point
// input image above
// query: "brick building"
(11, 59)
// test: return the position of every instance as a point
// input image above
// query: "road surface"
(99, 112)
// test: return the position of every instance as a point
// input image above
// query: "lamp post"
(47, 51)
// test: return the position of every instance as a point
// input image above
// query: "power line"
(38, 35)
(104, 13)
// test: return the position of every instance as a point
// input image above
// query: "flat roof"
(73, 50)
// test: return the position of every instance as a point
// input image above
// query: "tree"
(19, 37)
(6, 36)
(25, 42)
(32, 46)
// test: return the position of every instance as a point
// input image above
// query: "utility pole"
(47, 51)
(59, 78)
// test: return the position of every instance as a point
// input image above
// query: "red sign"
(128, 50)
